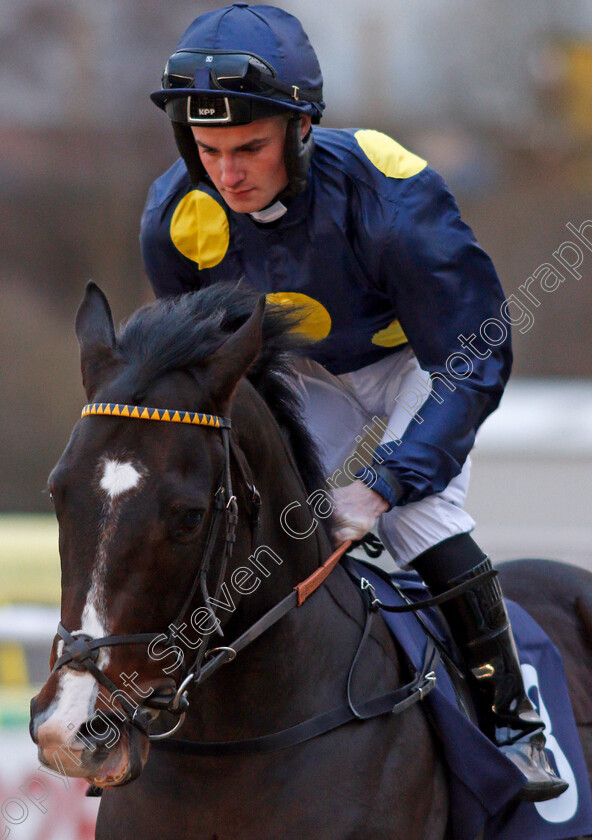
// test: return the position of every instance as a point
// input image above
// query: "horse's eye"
(184, 522)
(190, 519)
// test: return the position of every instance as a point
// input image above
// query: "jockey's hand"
(357, 507)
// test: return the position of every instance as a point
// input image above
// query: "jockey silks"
(376, 253)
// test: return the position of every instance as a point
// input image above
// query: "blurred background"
(496, 96)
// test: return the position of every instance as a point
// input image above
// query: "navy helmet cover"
(264, 31)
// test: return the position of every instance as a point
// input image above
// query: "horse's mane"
(179, 333)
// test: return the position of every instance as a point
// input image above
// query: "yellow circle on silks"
(199, 229)
(316, 321)
(387, 155)
(390, 336)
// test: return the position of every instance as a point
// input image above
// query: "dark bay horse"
(164, 546)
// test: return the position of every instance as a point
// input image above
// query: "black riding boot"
(480, 626)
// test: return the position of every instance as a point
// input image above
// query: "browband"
(139, 412)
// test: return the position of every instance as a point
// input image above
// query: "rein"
(393, 702)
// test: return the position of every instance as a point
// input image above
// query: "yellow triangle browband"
(140, 412)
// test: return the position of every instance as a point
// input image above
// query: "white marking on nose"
(77, 691)
(72, 706)
(119, 477)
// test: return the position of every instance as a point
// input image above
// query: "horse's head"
(142, 505)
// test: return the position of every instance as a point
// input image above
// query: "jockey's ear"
(230, 362)
(96, 337)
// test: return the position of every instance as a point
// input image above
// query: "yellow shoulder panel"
(388, 156)
(199, 229)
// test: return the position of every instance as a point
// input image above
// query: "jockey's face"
(246, 162)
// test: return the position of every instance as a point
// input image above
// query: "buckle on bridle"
(141, 718)
(178, 706)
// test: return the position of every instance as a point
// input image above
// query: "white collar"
(270, 214)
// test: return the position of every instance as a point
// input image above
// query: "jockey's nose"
(232, 173)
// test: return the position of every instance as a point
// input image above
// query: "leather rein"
(81, 651)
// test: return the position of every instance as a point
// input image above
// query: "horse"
(216, 488)
(178, 497)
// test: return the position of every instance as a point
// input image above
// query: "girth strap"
(449, 595)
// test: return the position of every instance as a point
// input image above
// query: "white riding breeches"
(339, 411)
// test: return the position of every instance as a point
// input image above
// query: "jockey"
(406, 308)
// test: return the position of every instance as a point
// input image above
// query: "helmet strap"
(188, 150)
(298, 153)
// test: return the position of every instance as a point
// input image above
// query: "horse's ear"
(96, 337)
(232, 360)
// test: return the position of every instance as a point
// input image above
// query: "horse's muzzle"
(103, 750)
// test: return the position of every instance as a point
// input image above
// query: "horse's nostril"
(99, 732)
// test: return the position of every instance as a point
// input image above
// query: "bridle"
(81, 651)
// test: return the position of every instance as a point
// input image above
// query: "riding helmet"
(238, 64)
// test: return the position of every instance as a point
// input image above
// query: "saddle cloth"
(482, 781)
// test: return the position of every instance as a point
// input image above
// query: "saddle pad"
(483, 782)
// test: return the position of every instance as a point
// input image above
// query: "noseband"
(81, 651)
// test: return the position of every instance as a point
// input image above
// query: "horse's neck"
(285, 513)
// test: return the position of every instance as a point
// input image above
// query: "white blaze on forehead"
(119, 477)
